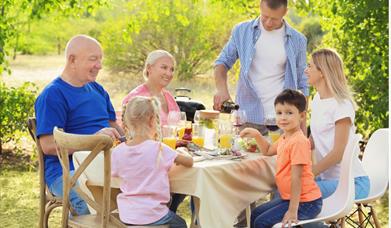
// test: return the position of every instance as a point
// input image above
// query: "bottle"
(187, 135)
(228, 106)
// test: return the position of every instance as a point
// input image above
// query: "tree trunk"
(16, 47)
(58, 46)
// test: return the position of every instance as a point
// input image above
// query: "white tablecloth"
(224, 187)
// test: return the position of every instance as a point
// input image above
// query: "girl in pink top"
(158, 73)
(143, 163)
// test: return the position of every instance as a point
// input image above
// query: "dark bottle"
(228, 106)
(188, 134)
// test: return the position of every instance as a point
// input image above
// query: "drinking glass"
(183, 116)
(196, 116)
(173, 118)
(270, 122)
(225, 135)
(169, 135)
(197, 135)
(271, 125)
(181, 124)
(238, 118)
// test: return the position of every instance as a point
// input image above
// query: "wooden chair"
(96, 187)
(47, 201)
(95, 144)
(101, 202)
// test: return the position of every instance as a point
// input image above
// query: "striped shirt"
(242, 45)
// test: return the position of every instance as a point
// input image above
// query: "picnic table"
(221, 188)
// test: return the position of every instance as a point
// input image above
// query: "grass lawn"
(19, 205)
(19, 195)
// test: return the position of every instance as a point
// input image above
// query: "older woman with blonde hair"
(158, 72)
(332, 122)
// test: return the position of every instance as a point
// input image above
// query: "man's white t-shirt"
(324, 114)
(267, 68)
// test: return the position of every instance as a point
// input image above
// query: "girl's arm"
(263, 144)
(341, 137)
(184, 160)
(291, 215)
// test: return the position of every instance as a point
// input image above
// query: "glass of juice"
(197, 136)
(274, 135)
(169, 136)
(225, 134)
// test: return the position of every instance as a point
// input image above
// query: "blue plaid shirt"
(242, 45)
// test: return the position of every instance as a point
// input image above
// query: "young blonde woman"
(142, 163)
(158, 73)
(332, 122)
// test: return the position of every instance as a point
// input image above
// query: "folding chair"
(375, 162)
(344, 194)
(47, 201)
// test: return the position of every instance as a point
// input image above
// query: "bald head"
(83, 60)
(79, 44)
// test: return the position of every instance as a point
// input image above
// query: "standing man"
(272, 58)
(76, 103)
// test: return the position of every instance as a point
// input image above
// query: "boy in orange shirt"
(300, 196)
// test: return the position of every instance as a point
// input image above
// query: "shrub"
(16, 104)
(193, 31)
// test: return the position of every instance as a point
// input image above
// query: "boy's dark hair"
(292, 97)
(275, 4)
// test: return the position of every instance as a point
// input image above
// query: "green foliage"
(193, 31)
(50, 35)
(16, 15)
(16, 104)
(312, 30)
(358, 30)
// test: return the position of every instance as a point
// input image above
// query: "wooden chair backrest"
(94, 143)
(44, 195)
(32, 127)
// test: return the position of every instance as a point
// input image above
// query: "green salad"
(249, 145)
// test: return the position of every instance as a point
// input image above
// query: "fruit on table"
(236, 153)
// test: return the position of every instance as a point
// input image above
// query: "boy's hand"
(250, 132)
(289, 218)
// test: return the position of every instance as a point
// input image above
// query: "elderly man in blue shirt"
(272, 57)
